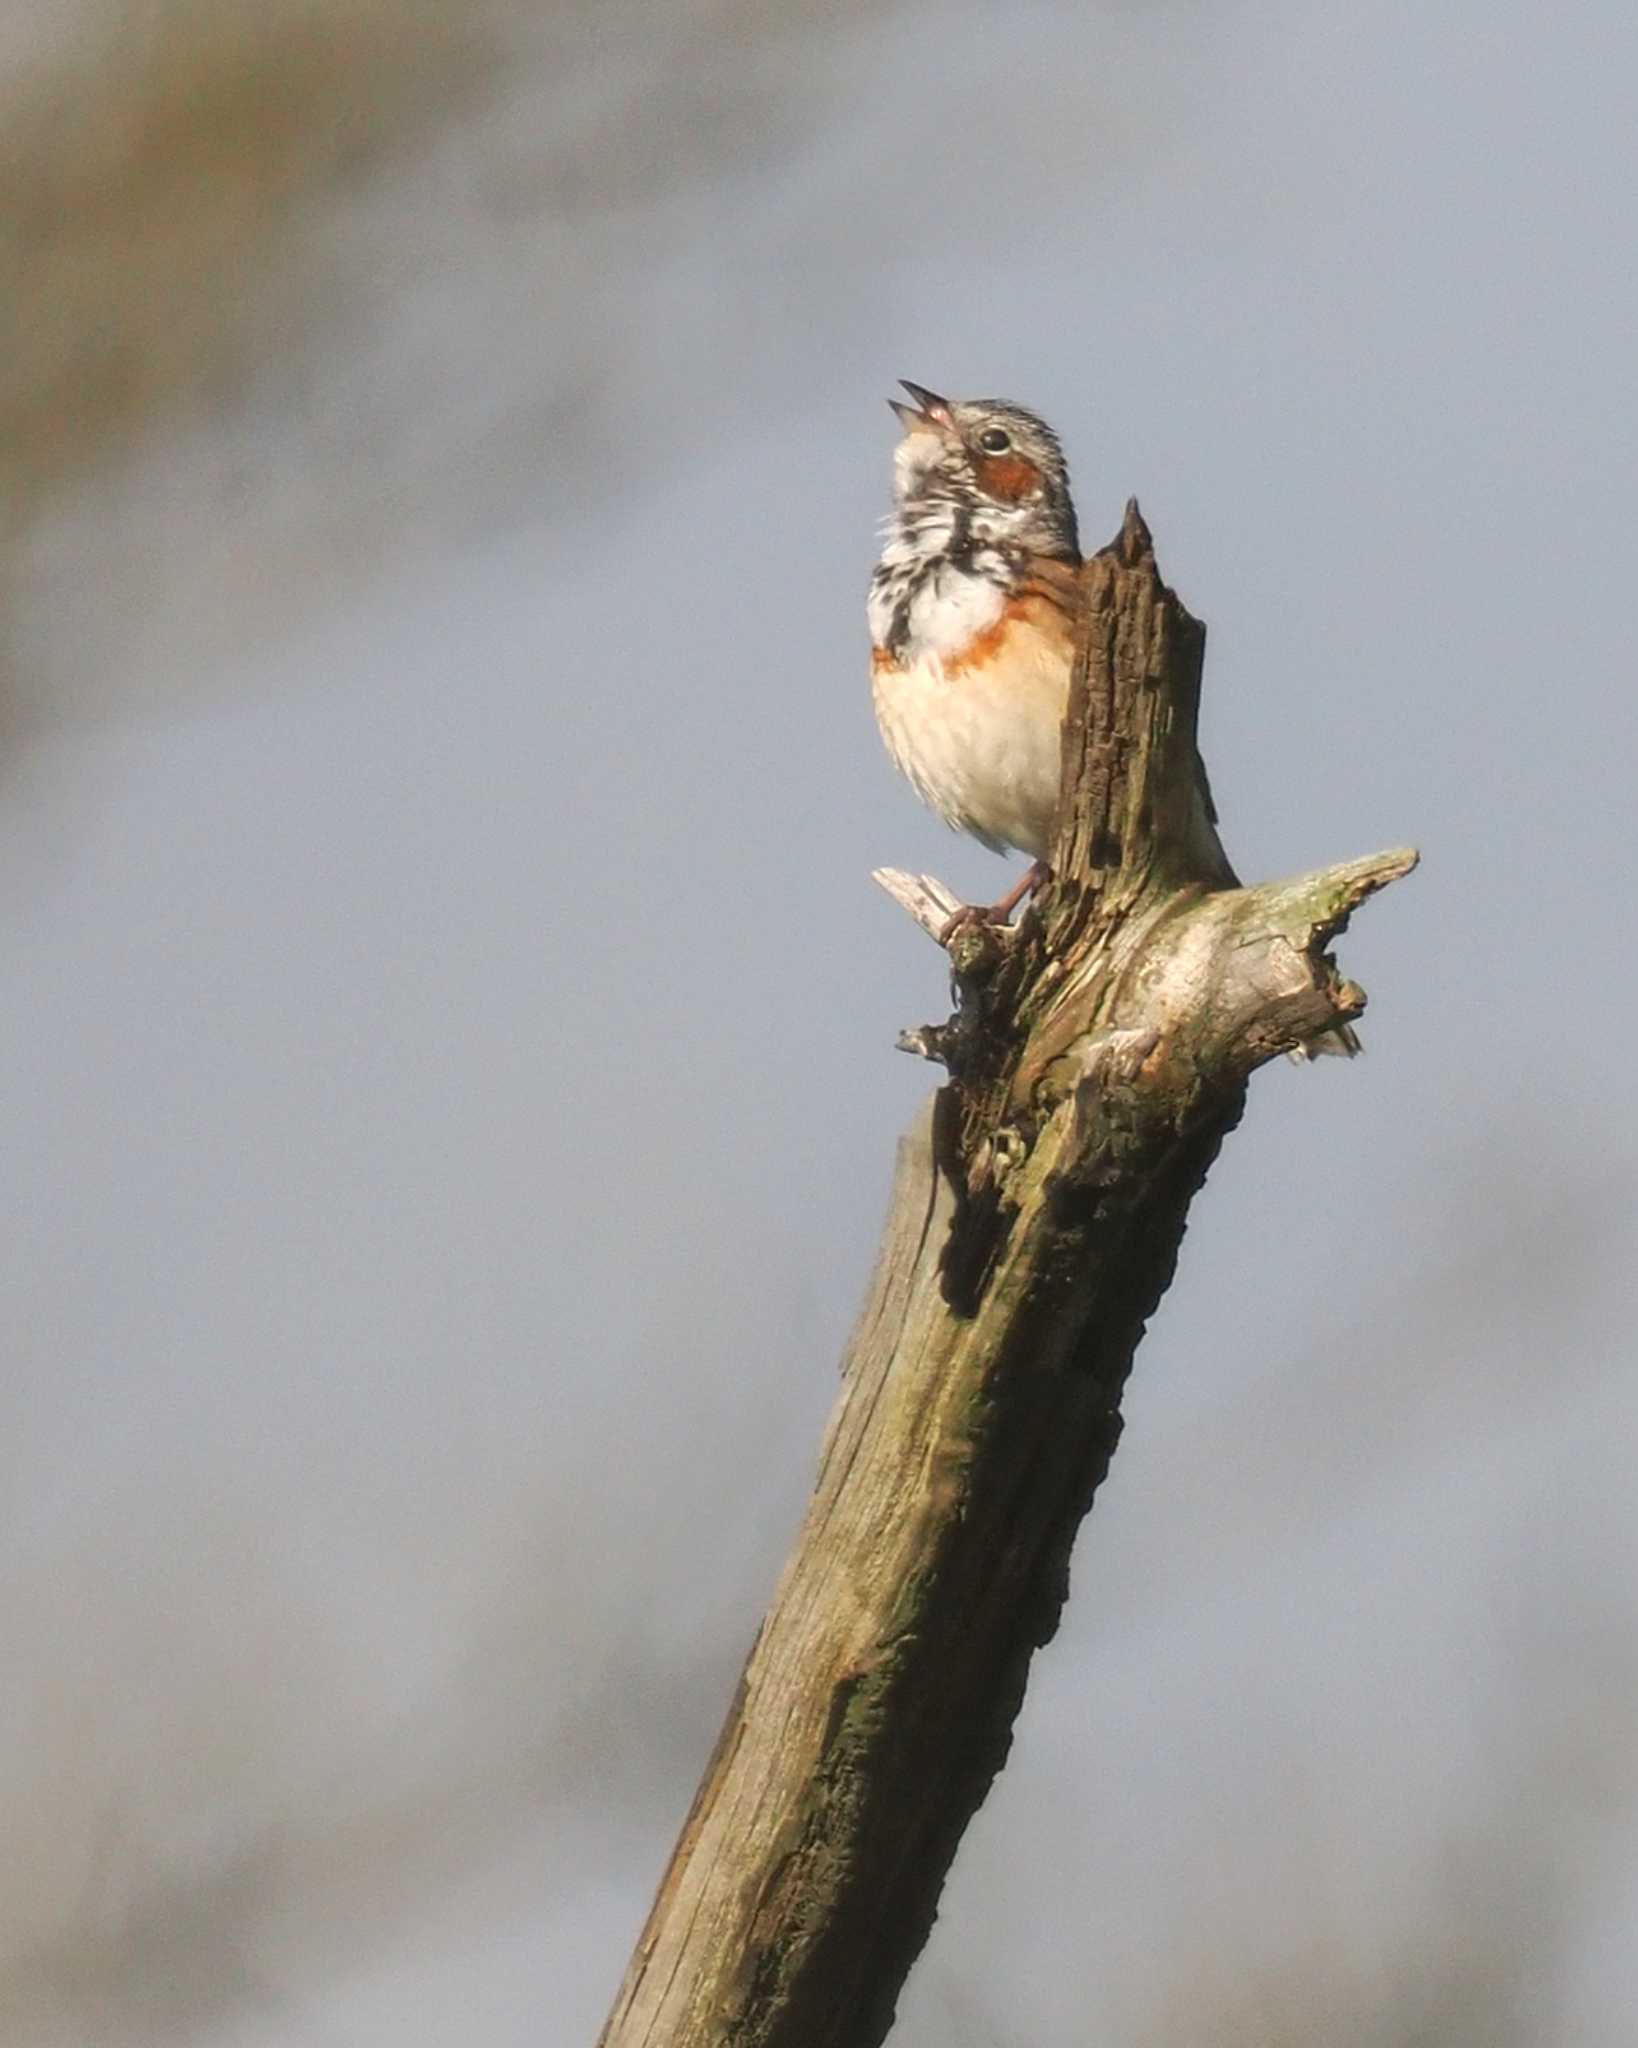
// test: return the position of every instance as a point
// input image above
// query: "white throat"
(936, 586)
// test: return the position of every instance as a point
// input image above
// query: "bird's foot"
(971, 914)
(968, 917)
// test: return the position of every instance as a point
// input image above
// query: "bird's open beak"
(929, 410)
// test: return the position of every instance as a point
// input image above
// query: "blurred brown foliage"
(157, 165)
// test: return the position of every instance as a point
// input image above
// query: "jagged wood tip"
(929, 901)
(1134, 543)
(1330, 896)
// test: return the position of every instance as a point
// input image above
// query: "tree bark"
(1098, 1055)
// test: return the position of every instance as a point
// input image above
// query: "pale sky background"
(450, 1088)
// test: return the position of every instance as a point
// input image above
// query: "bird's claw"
(969, 915)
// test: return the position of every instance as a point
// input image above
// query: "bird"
(972, 608)
(972, 613)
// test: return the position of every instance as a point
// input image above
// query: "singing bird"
(971, 619)
(972, 609)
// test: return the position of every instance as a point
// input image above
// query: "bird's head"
(995, 465)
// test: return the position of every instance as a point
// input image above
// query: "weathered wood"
(1098, 1055)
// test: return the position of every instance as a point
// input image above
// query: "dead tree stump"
(1098, 1055)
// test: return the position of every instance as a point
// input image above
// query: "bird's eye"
(995, 440)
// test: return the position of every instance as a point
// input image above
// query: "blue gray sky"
(451, 1088)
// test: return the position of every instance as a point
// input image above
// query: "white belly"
(981, 743)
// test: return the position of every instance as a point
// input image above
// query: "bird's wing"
(1058, 583)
